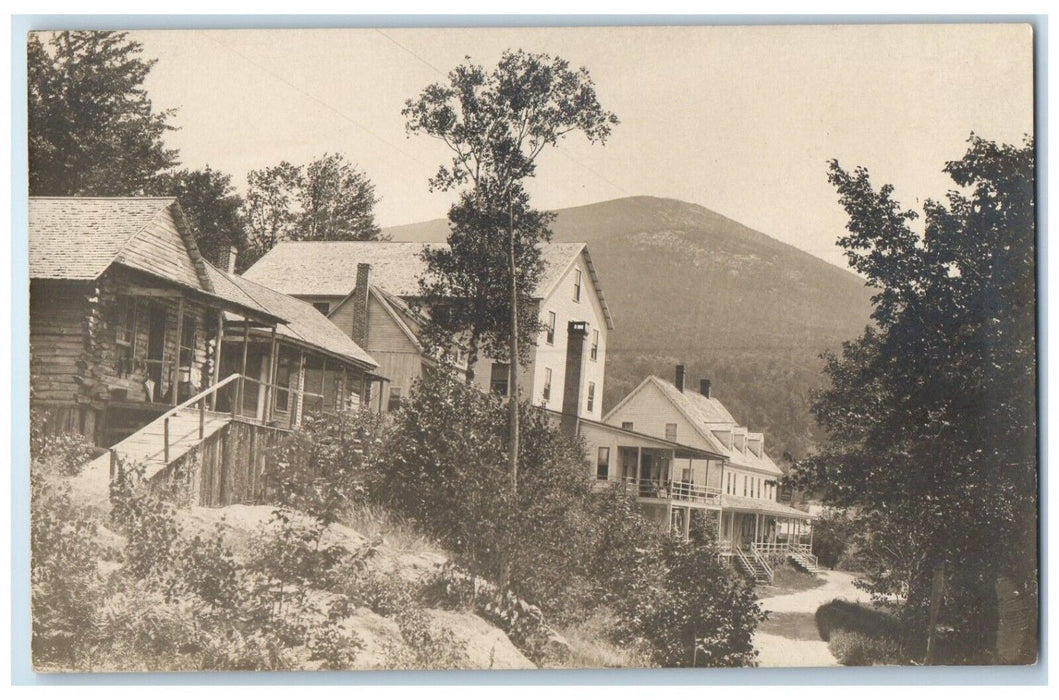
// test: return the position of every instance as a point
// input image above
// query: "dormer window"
(577, 285)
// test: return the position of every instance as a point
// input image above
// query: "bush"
(447, 469)
(856, 649)
(841, 614)
(688, 608)
(325, 466)
(64, 574)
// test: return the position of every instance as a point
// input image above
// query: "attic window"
(626, 425)
(671, 432)
(323, 307)
(577, 285)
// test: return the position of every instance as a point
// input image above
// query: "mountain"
(688, 285)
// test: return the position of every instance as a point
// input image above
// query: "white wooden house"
(370, 288)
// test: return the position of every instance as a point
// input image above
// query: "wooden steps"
(752, 566)
(805, 561)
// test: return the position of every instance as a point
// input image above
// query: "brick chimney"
(681, 376)
(360, 304)
(226, 258)
(704, 387)
(576, 335)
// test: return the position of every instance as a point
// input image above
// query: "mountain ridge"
(687, 285)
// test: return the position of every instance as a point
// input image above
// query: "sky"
(741, 120)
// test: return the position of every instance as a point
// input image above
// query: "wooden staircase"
(753, 565)
(806, 561)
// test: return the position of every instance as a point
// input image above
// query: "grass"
(590, 645)
(397, 532)
(788, 579)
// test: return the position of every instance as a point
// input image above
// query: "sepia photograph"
(553, 347)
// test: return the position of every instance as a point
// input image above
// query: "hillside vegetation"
(687, 285)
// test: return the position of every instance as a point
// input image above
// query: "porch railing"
(674, 491)
(762, 559)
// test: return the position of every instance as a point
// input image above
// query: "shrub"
(447, 470)
(856, 649)
(843, 615)
(65, 581)
(426, 646)
(689, 609)
(325, 465)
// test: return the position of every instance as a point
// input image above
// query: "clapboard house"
(370, 290)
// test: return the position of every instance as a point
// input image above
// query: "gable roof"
(329, 268)
(78, 238)
(704, 413)
(303, 325)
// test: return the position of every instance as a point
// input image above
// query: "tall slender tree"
(92, 127)
(496, 124)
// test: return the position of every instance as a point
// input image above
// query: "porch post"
(174, 382)
(217, 357)
(270, 390)
(639, 467)
(299, 406)
(242, 368)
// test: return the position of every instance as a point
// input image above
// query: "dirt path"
(789, 637)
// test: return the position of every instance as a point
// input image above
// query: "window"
(550, 329)
(498, 378)
(322, 306)
(594, 354)
(671, 432)
(395, 398)
(283, 380)
(547, 393)
(626, 425)
(591, 397)
(744, 485)
(187, 346)
(126, 330)
(577, 285)
(603, 464)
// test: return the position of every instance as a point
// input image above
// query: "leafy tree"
(271, 194)
(337, 202)
(496, 124)
(466, 297)
(327, 199)
(92, 127)
(211, 205)
(931, 413)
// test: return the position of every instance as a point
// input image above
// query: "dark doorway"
(156, 350)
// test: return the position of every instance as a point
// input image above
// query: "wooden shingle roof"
(329, 268)
(303, 323)
(705, 413)
(77, 238)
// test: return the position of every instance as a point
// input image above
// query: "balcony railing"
(673, 491)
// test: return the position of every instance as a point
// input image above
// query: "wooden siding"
(228, 467)
(553, 356)
(57, 338)
(161, 250)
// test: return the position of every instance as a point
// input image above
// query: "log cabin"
(123, 314)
